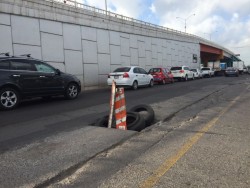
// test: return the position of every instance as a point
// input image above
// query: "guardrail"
(77, 5)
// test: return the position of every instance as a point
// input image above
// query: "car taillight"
(181, 71)
(125, 75)
(108, 76)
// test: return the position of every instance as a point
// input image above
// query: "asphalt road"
(43, 143)
(203, 145)
(38, 118)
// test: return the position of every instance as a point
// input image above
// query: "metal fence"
(109, 15)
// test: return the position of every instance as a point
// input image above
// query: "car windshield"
(194, 70)
(205, 69)
(176, 68)
(122, 69)
(230, 68)
(153, 70)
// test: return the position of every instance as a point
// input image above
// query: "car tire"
(172, 81)
(134, 121)
(104, 121)
(135, 85)
(193, 77)
(151, 83)
(9, 98)
(150, 114)
(71, 91)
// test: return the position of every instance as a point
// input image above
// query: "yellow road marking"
(152, 180)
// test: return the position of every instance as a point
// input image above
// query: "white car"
(197, 73)
(131, 76)
(182, 73)
(207, 71)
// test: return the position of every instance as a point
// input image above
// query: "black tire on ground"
(148, 116)
(9, 98)
(104, 121)
(135, 122)
(71, 91)
(135, 85)
(172, 81)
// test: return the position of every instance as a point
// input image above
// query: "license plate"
(116, 77)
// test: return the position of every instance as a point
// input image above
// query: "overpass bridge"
(90, 42)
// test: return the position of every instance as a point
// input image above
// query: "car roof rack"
(5, 53)
(27, 55)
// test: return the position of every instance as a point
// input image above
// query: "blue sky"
(226, 22)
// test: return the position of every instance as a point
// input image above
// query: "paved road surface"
(43, 143)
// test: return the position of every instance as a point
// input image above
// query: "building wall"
(87, 49)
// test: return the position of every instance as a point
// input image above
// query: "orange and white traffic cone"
(120, 109)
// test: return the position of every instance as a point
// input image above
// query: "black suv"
(24, 77)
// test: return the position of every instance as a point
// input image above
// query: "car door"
(144, 75)
(50, 80)
(167, 73)
(189, 73)
(138, 76)
(24, 75)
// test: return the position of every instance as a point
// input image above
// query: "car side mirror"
(58, 72)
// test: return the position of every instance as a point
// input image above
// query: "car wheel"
(163, 82)
(71, 91)
(135, 85)
(193, 77)
(151, 83)
(147, 113)
(9, 98)
(172, 81)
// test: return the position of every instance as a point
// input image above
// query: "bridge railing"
(77, 5)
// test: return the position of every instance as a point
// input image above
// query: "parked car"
(25, 77)
(182, 73)
(207, 72)
(161, 75)
(232, 71)
(130, 76)
(197, 73)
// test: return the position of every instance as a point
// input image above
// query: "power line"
(239, 47)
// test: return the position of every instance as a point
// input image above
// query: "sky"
(225, 22)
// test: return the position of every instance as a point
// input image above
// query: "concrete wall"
(88, 49)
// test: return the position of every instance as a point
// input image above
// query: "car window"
(21, 64)
(176, 68)
(42, 67)
(136, 70)
(205, 69)
(186, 68)
(154, 70)
(194, 70)
(5, 65)
(142, 71)
(122, 69)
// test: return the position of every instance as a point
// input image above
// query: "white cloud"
(152, 8)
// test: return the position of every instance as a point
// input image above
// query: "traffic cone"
(120, 109)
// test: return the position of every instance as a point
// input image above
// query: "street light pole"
(106, 7)
(185, 20)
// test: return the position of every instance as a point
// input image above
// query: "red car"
(161, 75)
